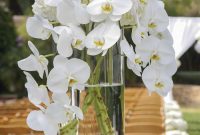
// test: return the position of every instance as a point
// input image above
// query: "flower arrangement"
(95, 26)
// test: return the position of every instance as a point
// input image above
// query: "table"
(143, 116)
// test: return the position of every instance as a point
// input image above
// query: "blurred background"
(13, 40)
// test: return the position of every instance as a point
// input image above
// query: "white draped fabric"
(185, 31)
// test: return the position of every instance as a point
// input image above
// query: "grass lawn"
(192, 116)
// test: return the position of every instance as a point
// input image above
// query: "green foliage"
(8, 53)
(12, 78)
(183, 7)
(192, 116)
(25, 6)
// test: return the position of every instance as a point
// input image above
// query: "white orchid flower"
(45, 9)
(39, 121)
(138, 34)
(138, 7)
(134, 61)
(71, 36)
(157, 80)
(72, 12)
(155, 17)
(165, 37)
(36, 94)
(35, 62)
(49, 119)
(64, 100)
(40, 28)
(112, 9)
(155, 50)
(102, 37)
(68, 73)
(52, 115)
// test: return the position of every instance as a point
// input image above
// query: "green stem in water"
(93, 97)
(70, 129)
(101, 114)
(110, 66)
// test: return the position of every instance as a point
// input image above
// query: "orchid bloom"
(71, 36)
(59, 111)
(155, 17)
(45, 9)
(102, 37)
(134, 61)
(138, 8)
(36, 94)
(65, 101)
(113, 9)
(156, 50)
(157, 80)
(138, 34)
(40, 28)
(35, 62)
(68, 73)
(72, 12)
(49, 118)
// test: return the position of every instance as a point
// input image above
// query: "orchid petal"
(57, 113)
(64, 44)
(77, 111)
(61, 98)
(28, 64)
(121, 7)
(79, 69)
(34, 120)
(35, 28)
(33, 49)
(57, 80)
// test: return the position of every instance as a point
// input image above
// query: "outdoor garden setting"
(99, 67)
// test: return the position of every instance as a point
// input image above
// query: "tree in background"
(9, 54)
(183, 7)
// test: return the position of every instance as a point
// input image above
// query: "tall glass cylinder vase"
(103, 100)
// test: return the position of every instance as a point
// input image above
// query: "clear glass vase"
(103, 100)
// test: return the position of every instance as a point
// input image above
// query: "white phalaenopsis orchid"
(49, 119)
(155, 50)
(157, 80)
(44, 9)
(112, 9)
(36, 94)
(65, 101)
(72, 12)
(139, 33)
(155, 17)
(38, 27)
(35, 62)
(39, 121)
(97, 25)
(102, 37)
(134, 61)
(138, 8)
(71, 36)
(68, 73)
(59, 111)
